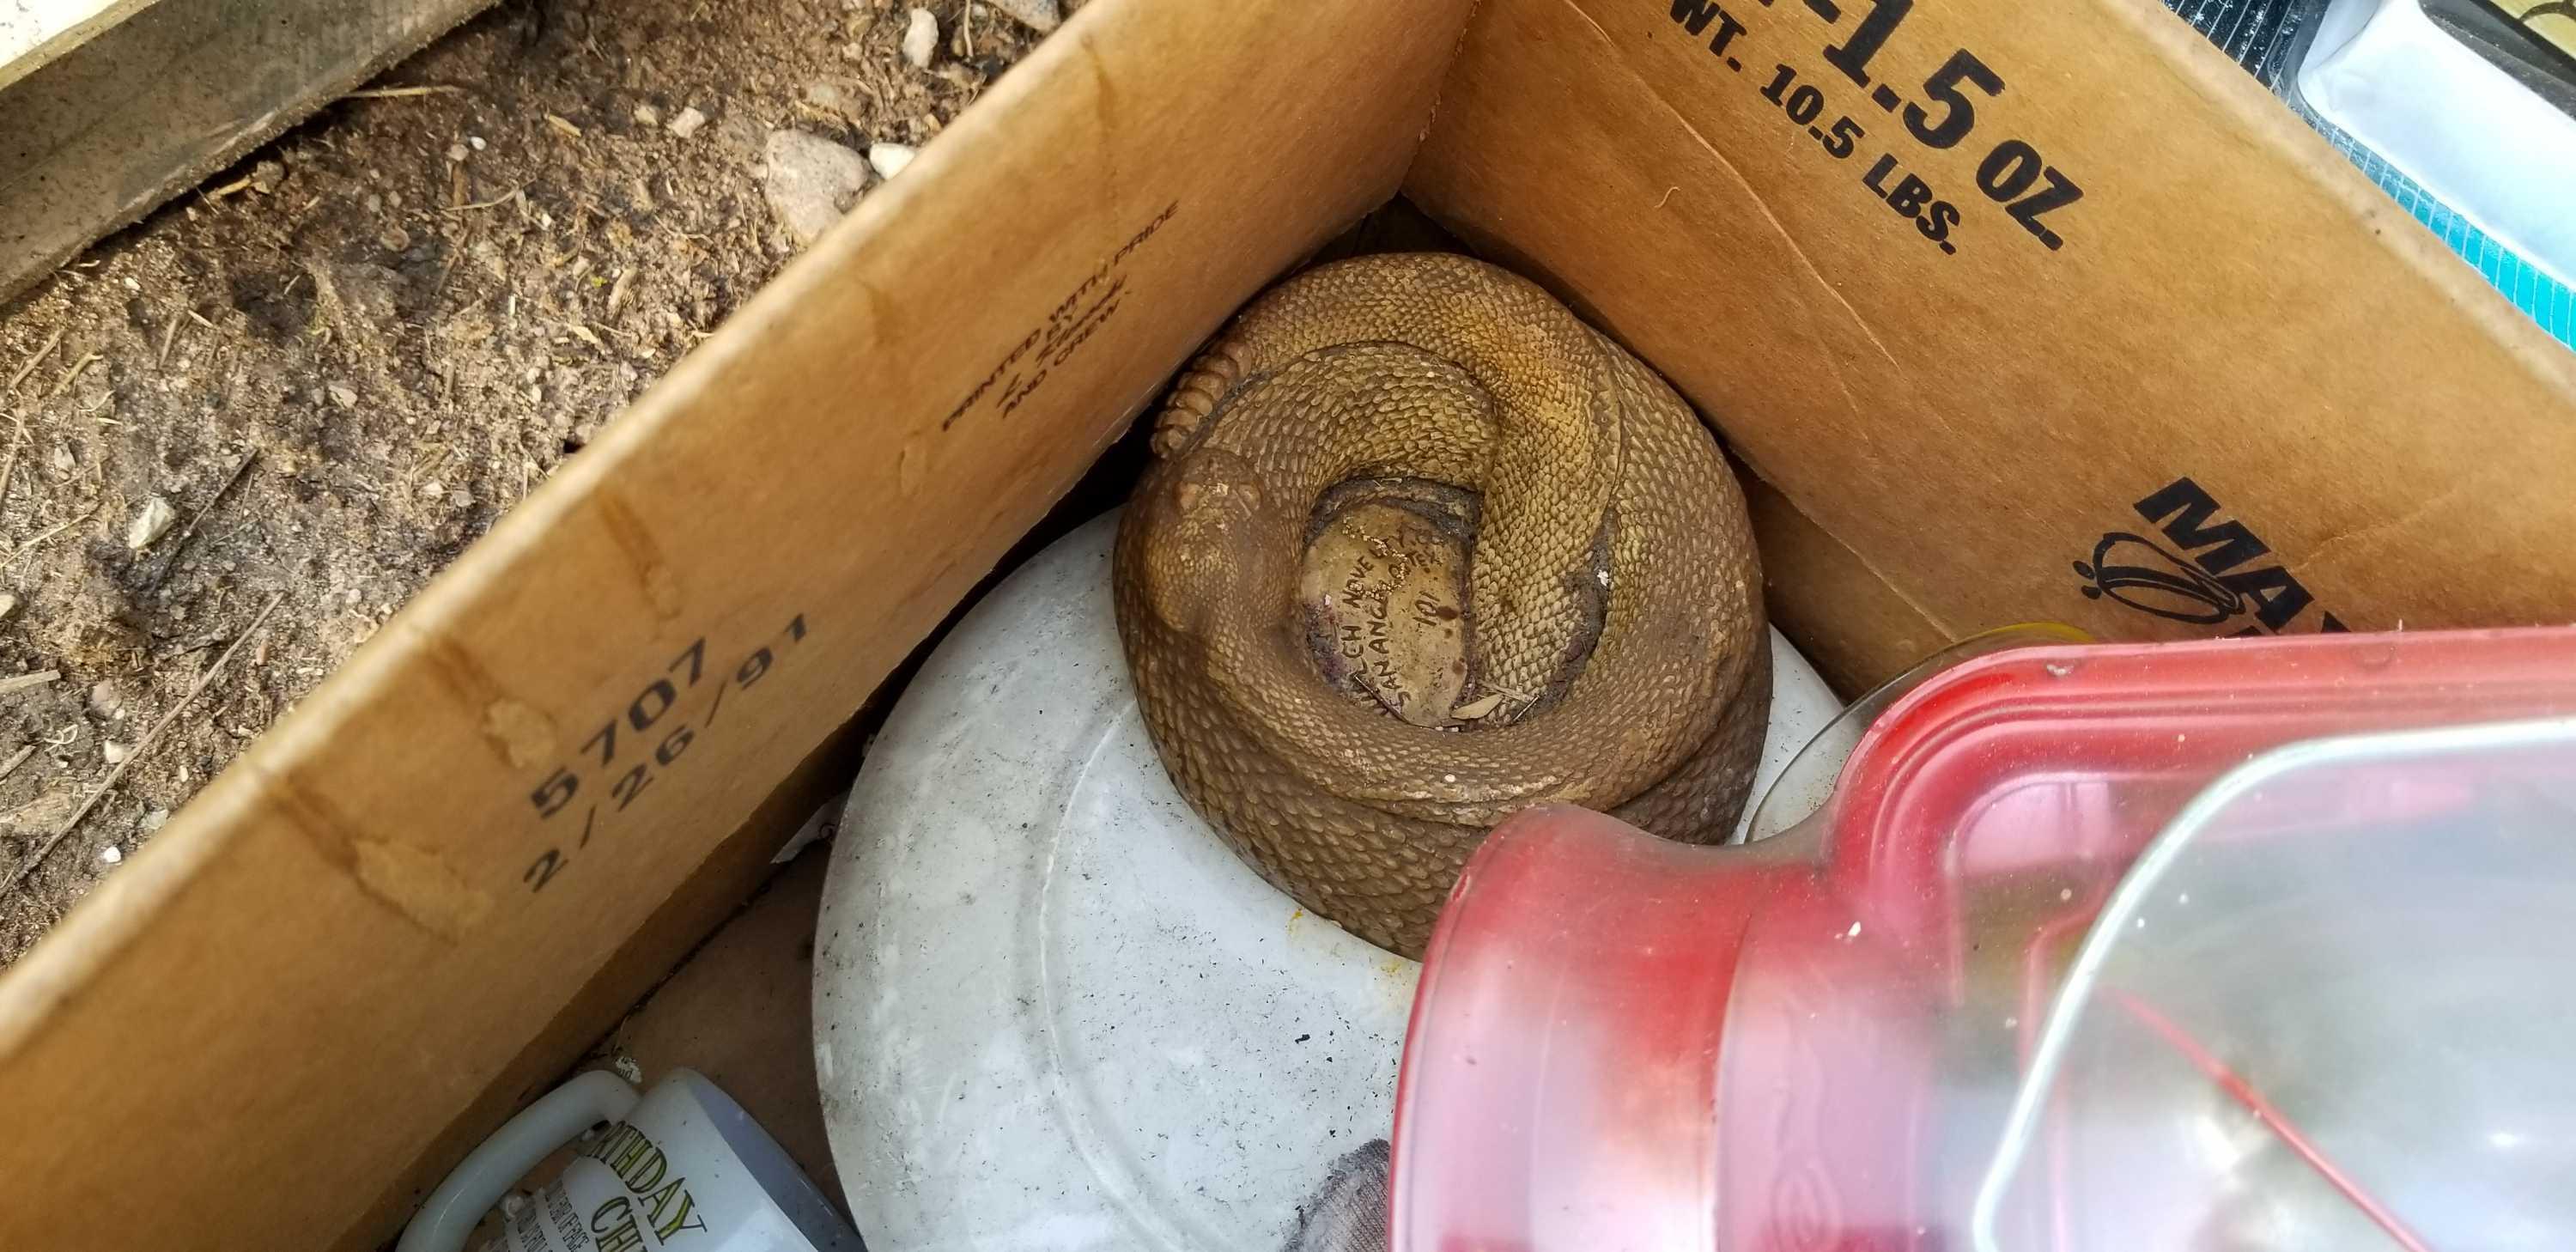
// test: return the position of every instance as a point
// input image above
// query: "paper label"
(1382, 587)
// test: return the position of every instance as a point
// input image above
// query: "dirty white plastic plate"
(1051, 1010)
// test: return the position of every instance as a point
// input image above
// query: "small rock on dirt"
(111, 855)
(687, 122)
(888, 159)
(920, 38)
(810, 182)
(8, 605)
(150, 522)
(1038, 15)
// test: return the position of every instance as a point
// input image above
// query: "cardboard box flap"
(2049, 311)
(358, 928)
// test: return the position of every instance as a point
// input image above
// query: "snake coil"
(1609, 643)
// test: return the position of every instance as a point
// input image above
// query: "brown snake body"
(1614, 652)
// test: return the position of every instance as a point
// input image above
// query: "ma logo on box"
(2218, 584)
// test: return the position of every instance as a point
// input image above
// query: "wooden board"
(111, 107)
(34, 32)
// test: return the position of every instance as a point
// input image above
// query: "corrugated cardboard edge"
(300, 982)
(1854, 634)
(116, 117)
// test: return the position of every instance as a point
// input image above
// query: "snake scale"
(1611, 644)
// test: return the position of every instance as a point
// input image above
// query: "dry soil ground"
(307, 385)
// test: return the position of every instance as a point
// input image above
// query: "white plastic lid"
(1052, 1010)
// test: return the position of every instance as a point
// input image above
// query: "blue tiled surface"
(2261, 35)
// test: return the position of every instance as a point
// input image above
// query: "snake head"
(1199, 518)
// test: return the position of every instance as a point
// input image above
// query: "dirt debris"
(336, 364)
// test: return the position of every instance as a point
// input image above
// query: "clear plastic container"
(2016, 988)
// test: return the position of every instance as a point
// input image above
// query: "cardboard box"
(459, 861)
(2059, 316)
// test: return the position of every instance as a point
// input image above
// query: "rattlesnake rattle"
(1612, 571)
